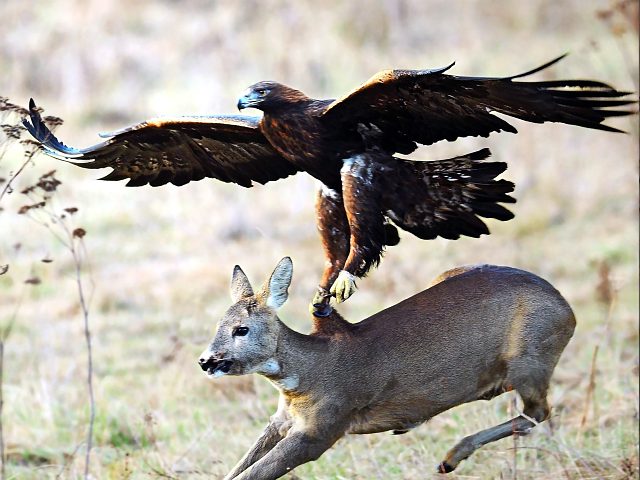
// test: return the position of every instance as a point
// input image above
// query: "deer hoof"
(344, 286)
(445, 467)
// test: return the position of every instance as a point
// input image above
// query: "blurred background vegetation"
(158, 261)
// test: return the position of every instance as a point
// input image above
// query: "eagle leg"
(334, 234)
(361, 176)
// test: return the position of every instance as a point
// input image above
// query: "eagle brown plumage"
(349, 145)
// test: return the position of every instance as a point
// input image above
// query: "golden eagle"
(349, 145)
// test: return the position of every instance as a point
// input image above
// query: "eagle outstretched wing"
(446, 198)
(412, 107)
(439, 198)
(175, 150)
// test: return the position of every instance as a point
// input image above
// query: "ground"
(158, 261)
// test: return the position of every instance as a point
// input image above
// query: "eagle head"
(267, 96)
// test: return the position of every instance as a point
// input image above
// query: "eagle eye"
(261, 91)
(240, 331)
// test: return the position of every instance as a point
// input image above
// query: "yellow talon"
(344, 286)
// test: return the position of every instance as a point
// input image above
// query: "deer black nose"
(205, 363)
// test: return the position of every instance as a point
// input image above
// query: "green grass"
(159, 260)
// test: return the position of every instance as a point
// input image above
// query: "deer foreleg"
(275, 431)
(296, 448)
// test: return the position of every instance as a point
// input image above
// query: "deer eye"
(240, 331)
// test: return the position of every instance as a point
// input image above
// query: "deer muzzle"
(215, 366)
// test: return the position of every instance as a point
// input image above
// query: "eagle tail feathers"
(447, 198)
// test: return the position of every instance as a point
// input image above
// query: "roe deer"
(476, 333)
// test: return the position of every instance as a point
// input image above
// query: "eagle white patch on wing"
(329, 192)
(360, 167)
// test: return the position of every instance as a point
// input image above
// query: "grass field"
(158, 261)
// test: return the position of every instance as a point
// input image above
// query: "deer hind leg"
(536, 408)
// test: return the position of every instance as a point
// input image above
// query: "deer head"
(246, 338)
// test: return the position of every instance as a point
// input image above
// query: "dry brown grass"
(161, 258)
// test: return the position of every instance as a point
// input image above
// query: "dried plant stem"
(553, 453)
(514, 468)
(5, 331)
(41, 195)
(2, 453)
(591, 388)
(7, 187)
(87, 335)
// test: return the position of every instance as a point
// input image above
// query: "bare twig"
(72, 239)
(555, 454)
(76, 246)
(87, 335)
(591, 388)
(2, 456)
(620, 19)
(160, 473)
(5, 331)
(40, 193)
(69, 459)
(606, 294)
(514, 467)
(199, 439)
(3, 337)
(7, 187)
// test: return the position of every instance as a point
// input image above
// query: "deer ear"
(275, 291)
(240, 286)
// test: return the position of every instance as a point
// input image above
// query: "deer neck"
(295, 357)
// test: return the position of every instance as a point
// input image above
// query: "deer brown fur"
(476, 333)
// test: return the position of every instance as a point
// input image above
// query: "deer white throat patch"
(270, 367)
(288, 383)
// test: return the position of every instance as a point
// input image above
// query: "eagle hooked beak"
(252, 98)
(243, 102)
(248, 99)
